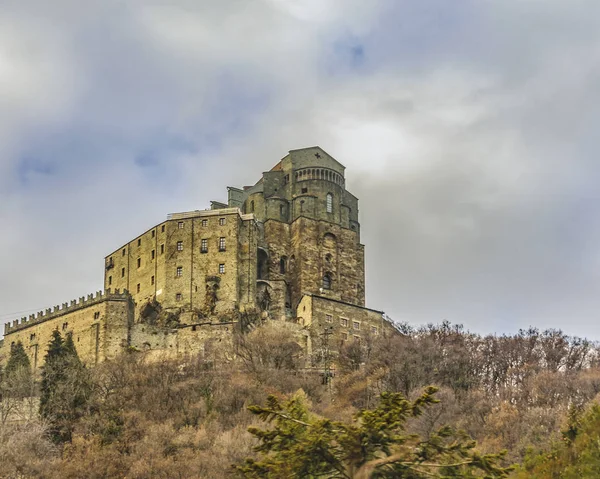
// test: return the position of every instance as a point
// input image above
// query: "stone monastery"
(287, 249)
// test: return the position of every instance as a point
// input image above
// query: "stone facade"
(287, 248)
(342, 321)
(99, 325)
(199, 261)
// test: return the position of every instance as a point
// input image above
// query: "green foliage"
(17, 361)
(578, 456)
(65, 387)
(375, 444)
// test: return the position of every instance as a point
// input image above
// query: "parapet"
(74, 305)
(201, 213)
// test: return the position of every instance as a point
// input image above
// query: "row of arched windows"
(319, 174)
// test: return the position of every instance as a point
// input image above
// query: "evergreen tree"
(17, 361)
(374, 445)
(65, 387)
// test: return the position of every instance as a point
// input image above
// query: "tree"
(375, 444)
(65, 387)
(17, 386)
(576, 456)
(272, 346)
(18, 360)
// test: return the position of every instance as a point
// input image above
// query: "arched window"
(329, 203)
(327, 281)
(282, 264)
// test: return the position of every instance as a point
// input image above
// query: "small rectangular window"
(162, 229)
(162, 248)
(140, 242)
(96, 315)
(180, 246)
(110, 280)
(204, 246)
(221, 268)
(304, 190)
(152, 280)
(221, 244)
(65, 326)
(179, 271)
(374, 330)
(180, 225)
(345, 336)
(344, 322)
(178, 297)
(123, 251)
(153, 254)
(122, 272)
(138, 287)
(329, 318)
(31, 336)
(153, 233)
(222, 221)
(204, 223)
(356, 325)
(139, 262)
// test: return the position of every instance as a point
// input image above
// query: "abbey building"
(287, 249)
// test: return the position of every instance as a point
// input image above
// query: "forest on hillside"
(435, 401)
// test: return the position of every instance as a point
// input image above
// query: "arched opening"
(283, 265)
(329, 241)
(288, 296)
(263, 296)
(262, 271)
(252, 206)
(327, 281)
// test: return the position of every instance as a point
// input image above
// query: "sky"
(468, 129)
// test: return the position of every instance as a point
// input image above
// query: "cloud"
(467, 129)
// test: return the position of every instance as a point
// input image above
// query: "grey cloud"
(467, 129)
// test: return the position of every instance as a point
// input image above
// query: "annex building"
(287, 248)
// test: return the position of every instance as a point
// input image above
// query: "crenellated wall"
(65, 308)
(99, 325)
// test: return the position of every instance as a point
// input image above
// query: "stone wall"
(212, 341)
(321, 248)
(346, 322)
(99, 326)
(168, 263)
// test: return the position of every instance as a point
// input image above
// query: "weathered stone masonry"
(286, 248)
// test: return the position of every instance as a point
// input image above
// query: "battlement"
(73, 305)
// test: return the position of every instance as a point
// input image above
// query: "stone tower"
(310, 234)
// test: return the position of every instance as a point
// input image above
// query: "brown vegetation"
(189, 418)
